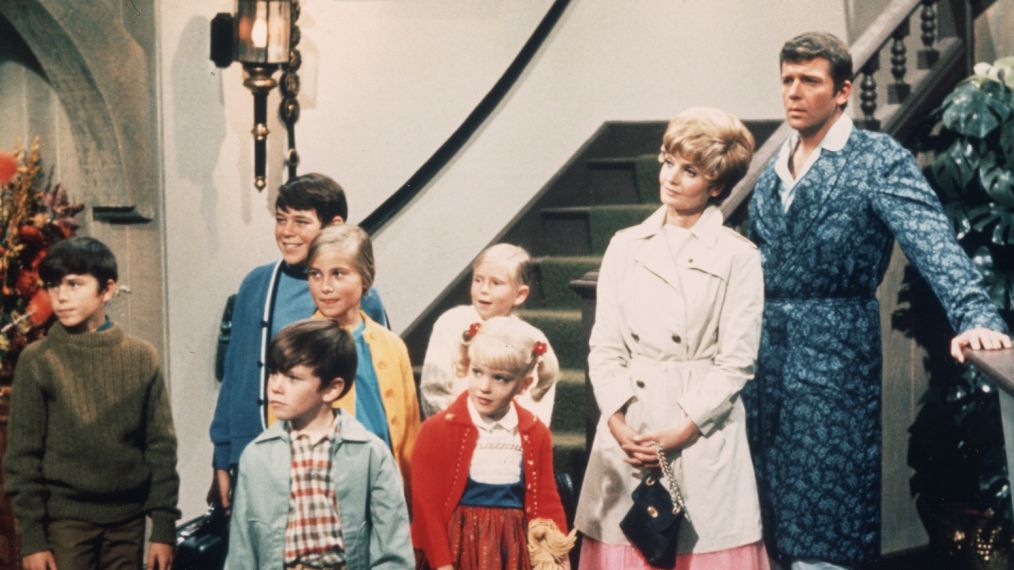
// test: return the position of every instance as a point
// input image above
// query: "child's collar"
(509, 421)
(349, 430)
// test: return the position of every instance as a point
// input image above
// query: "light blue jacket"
(371, 501)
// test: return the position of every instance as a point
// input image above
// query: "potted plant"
(956, 446)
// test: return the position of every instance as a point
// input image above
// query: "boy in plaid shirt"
(318, 478)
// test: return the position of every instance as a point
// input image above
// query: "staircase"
(609, 184)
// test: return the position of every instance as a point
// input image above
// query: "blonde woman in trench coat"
(676, 332)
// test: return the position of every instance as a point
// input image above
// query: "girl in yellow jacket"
(383, 397)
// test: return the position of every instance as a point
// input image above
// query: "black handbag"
(202, 543)
(652, 525)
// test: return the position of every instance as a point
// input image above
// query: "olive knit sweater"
(90, 436)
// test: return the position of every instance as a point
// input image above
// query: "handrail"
(865, 51)
(395, 203)
(997, 365)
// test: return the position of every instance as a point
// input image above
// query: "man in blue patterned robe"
(825, 214)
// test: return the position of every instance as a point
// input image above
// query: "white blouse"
(497, 456)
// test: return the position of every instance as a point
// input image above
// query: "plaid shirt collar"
(313, 534)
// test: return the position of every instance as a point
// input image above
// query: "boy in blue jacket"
(271, 297)
(317, 490)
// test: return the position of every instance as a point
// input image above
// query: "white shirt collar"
(508, 422)
(833, 141)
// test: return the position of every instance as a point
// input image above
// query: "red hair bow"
(473, 329)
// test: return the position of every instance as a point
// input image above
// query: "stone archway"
(104, 79)
(98, 59)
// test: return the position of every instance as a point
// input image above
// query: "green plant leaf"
(982, 216)
(955, 212)
(975, 108)
(996, 180)
(955, 168)
(1007, 139)
(996, 285)
(1003, 233)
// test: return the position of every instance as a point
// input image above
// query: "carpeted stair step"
(568, 408)
(612, 181)
(563, 329)
(556, 273)
(584, 230)
(604, 221)
(646, 169)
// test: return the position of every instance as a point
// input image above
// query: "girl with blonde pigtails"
(482, 470)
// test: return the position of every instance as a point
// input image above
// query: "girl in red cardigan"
(482, 469)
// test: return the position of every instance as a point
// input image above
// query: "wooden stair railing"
(997, 365)
(910, 94)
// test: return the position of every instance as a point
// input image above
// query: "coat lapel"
(768, 213)
(818, 190)
(653, 252)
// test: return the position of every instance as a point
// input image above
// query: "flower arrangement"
(33, 216)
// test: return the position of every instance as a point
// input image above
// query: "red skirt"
(488, 538)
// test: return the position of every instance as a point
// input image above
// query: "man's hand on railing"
(978, 339)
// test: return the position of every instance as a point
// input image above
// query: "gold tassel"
(547, 546)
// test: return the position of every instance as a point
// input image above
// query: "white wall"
(643, 60)
(385, 82)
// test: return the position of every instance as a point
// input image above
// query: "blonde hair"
(715, 141)
(354, 241)
(516, 258)
(508, 344)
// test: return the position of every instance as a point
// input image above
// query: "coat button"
(690, 260)
(676, 338)
(640, 384)
(381, 365)
(634, 336)
(390, 391)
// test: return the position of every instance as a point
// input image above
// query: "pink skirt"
(596, 555)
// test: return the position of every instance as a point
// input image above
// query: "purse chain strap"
(670, 477)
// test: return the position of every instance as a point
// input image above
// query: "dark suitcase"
(202, 543)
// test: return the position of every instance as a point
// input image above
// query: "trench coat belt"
(647, 366)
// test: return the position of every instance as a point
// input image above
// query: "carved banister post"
(928, 55)
(868, 94)
(899, 90)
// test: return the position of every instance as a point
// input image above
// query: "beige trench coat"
(677, 339)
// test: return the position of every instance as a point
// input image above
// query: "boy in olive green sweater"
(91, 446)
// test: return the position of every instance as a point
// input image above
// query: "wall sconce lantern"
(258, 37)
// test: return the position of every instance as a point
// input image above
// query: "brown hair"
(319, 344)
(317, 192)
(812, 45)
